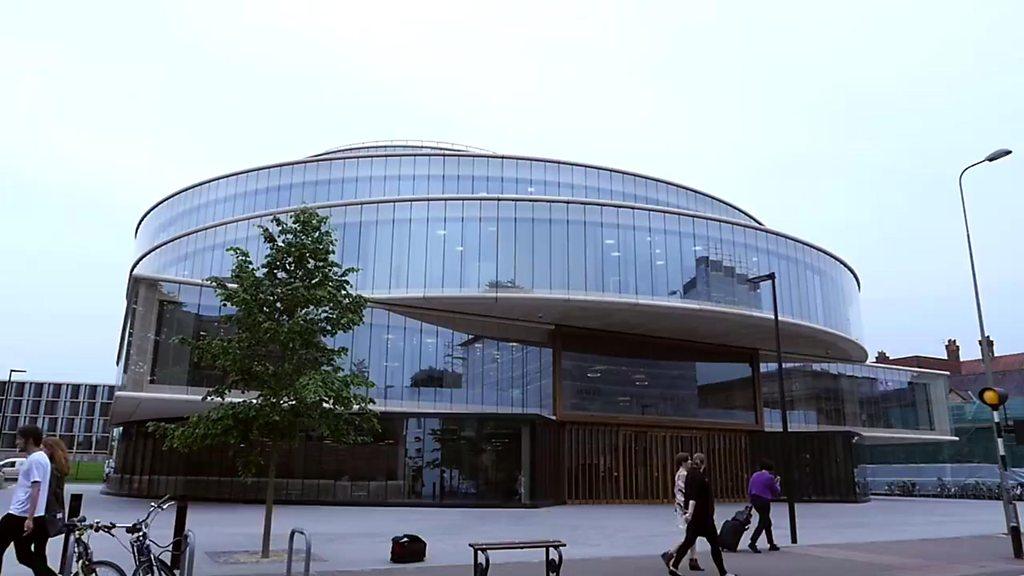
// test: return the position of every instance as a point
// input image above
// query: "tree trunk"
(268, 512)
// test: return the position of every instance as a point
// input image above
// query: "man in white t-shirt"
(28, 506)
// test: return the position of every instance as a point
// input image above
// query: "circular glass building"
(527, 315)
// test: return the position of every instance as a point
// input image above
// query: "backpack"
(408, 548)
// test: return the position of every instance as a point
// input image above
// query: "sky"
(845, 124)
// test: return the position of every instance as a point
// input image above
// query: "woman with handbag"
(57, 452)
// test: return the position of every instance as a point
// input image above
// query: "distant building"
(968, 375)
(971, 421)
(77, 412)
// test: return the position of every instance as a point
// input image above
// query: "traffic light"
(994, 398)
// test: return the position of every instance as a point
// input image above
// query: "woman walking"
(57, 452)
(679, 491)
(763, 488)
(700, 517)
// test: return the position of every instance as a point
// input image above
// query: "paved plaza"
(971, 556)
(601, 539)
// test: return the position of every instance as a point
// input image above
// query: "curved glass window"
(523, 247)
(414, 365)
(331, 180)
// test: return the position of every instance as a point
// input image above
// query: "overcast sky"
(845, 125)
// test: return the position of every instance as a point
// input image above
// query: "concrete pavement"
(971, 556)
(358, 538)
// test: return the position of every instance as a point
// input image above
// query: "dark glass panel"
(657, 379)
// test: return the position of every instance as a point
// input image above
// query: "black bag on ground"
(732, 530)
(408, 548)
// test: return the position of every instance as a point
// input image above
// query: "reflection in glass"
(658, 380)
(822, 395)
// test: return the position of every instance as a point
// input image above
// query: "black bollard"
(178, 542)
(74, 511)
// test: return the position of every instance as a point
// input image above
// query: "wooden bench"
(552, 566)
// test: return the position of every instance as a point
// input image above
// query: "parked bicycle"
(146, 553)
(83, 563)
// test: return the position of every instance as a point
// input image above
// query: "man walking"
(763, 488)
(700, 517)
(28, 505)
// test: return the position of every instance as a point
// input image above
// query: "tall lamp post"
(1009, 509)
(788, 469)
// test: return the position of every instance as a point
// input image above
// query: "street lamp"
(788, 470)
(991, 395)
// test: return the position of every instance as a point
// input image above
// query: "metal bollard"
(190, 554)
(291, 550)
(177, 542)
(74, 511)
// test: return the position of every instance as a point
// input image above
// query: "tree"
(282, 378)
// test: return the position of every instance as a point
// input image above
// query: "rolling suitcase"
(732, 530)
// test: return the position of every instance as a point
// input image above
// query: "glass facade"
(619, 376)
(78, 413)
(553, 248)
(414, 459)
(413, 364)
(468, 396)
(388, 175)
(858, 396)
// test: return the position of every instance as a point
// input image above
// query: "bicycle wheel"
(161, 568)
(101, 568)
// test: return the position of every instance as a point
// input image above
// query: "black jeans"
(763, 507)
(29, 554)
(705, 530)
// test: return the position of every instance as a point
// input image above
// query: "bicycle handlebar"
(154, 507)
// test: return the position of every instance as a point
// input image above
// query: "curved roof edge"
(426, 145)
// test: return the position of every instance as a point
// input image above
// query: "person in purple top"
(763, 488)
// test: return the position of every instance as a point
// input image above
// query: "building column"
(143, 335)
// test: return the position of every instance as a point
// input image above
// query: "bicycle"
(147, 561)
(83, 561)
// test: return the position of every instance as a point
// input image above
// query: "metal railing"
(291, 550)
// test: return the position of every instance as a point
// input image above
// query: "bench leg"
(481, 568)
(553, 566)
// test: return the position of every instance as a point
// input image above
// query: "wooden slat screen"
(619, 464)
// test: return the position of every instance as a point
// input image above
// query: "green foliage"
(283, 379)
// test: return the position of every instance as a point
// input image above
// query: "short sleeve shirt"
(36, 468)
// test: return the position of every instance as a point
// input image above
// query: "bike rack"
(291, 550)
(190, 554)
